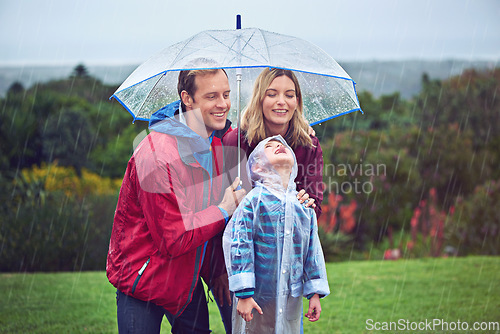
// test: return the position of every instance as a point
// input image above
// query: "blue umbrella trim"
(236, 67)
(232, 67)
(130, 111)
(335, 116)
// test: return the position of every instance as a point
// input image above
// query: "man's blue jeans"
(137, 316)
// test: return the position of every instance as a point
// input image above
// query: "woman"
(276, 108)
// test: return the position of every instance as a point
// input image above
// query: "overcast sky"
(130, 31)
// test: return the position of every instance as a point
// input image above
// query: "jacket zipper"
(198, 261)
(139, 275)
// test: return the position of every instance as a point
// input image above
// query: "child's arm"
(245, 307)
(238, 248)
(314, 308)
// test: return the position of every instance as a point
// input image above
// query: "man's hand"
(314, 308)
(246, 306)
(302, 196)
(232, 197)
(220, 289)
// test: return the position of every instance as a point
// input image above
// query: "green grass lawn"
(453, 289)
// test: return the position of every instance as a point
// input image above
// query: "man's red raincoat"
(165, 215)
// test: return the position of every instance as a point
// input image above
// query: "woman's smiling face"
(280, 101)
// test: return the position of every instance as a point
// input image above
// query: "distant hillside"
(386, 77)
(377, 77)
(29, 75)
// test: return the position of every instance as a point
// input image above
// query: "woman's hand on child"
(302, 196)
(314, 308)
(245, 307)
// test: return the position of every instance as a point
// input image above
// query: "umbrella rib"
(149, 94)
(247, 43)
(222, 43)
(267, 46)
(183, 47)
(230, 47)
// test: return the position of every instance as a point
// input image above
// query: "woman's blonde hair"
(252, 119)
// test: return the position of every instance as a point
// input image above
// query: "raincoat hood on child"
(272, 250)
(266, 173)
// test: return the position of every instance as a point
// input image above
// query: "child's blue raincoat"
(272, 250)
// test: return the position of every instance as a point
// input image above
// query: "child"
(271, 247)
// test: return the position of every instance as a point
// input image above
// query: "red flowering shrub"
(337, 216)
(427, 227)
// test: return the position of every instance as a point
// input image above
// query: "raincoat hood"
(170, 120)
(266, 173)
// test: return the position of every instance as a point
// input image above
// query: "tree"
(68, 139)
(469, 100)
(382, 112)
(374, 168)
(80, 71)
(20, 144)
(15, 88)
(447, 162)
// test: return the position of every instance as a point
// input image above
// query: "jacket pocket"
(293, 308)
(139, 275)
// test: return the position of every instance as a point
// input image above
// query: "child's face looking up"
(278, 154)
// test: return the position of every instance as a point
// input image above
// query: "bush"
(475, 225)
(67, 180)
(62, 235)
(54, 223)
(336, 246)
(377, 171)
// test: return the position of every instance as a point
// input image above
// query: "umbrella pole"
(238, 105)
(238, 100)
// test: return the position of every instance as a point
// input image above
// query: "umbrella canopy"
(327, 89)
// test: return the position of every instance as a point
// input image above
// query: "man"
(170, 211)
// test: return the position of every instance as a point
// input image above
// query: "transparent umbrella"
(327, 89)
